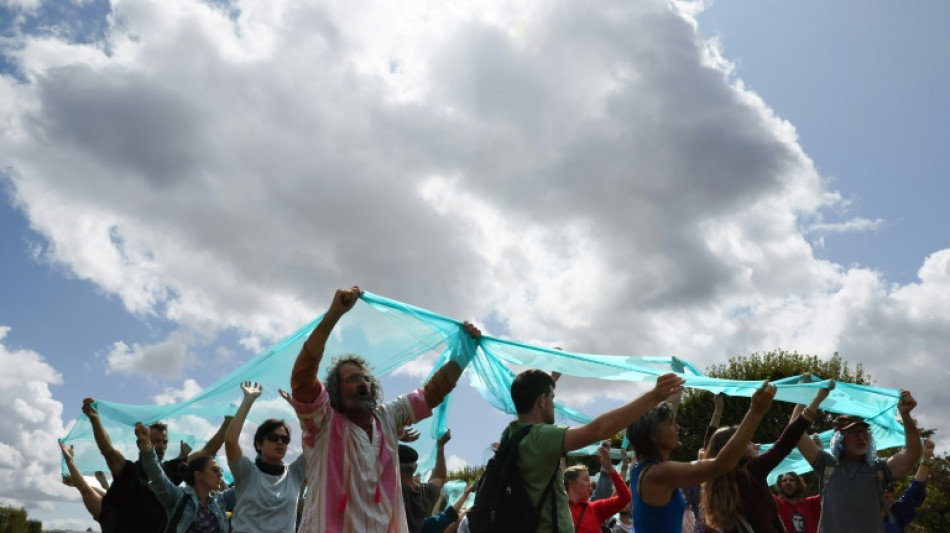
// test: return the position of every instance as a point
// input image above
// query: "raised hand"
(88, 409)
(624, 457)
(101, 478)
(907, 403)
(345, 299)
(67, 452)
(928, 450)
(762, 399)
(185, 450)
(141, 434)
(409, 435)
(667, 385)
(604, 454)
(823, 393)
(68, 480)
(719, 403)
(251, 389)
(472, 331)
(286, 396)
(445, 438)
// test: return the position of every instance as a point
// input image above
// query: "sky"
(183, 183)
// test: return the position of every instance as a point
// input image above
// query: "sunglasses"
(274, 437)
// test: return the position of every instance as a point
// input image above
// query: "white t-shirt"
(265, 502)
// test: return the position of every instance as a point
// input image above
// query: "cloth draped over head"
(390, 334)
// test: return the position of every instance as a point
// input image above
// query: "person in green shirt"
(540, 451)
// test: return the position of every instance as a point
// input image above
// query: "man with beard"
(129, 505)
(799, 513)
(851, 478)
(349, 438)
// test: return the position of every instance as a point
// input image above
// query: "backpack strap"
(580, 518)
(544, 495)
(176, 516)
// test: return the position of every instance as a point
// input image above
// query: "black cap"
(407, 455)
(844, 422)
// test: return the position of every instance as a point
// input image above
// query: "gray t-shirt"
(851, 497)
(265, 502)
(419, 504)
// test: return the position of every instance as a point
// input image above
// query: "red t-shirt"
(800, 517)
(600, 510)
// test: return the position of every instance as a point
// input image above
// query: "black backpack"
(502, 503)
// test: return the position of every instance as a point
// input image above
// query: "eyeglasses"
(274, 437)
(216, 469)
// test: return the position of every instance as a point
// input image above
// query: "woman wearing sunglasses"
(197, 507)
(266, 489)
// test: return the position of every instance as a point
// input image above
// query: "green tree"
(13, 520)
(697, 405)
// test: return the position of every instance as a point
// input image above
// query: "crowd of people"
(355, 475)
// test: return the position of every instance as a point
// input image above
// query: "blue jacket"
(904, 510)
(170, 496)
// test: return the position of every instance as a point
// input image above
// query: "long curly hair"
(721, 501)
(796, 479)
(332, 382)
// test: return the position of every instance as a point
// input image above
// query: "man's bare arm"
(214, 443)
(114, 459)
(901, 463)
(608, 424)
(440, 471)
(444, 379)
(304, 384)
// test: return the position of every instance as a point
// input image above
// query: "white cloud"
(29, 428)
(454, 463)
(592, 178)
(189, 389)
(852, 225)
(165, 358)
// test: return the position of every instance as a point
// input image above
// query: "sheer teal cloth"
(390, 334)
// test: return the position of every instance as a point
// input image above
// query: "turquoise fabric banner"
(390, 334)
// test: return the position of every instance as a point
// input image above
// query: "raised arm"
(439, 472)
(231, 447)
(923, 471)
(903, 461)
(762, 464)
(444, 379)
(91, 497)
(166, 492)
(211, 447)
(610, 505)
(604, 484)
(719, 404)
(461, 501)
(303, 378)
(806, 446)
(669, 475)
(113, 457)
(608, 424)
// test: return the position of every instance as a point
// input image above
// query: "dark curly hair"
(333, 379)
(796, 479)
